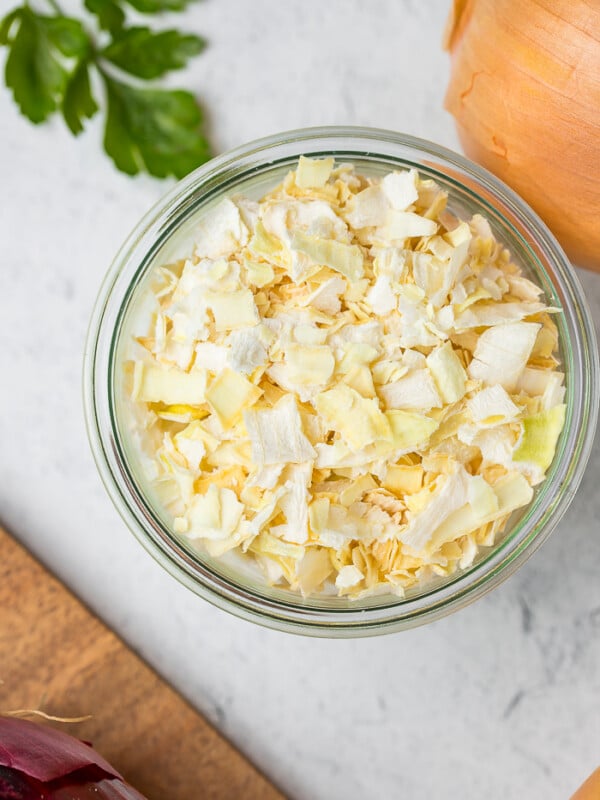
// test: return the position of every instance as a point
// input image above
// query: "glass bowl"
(252, 170)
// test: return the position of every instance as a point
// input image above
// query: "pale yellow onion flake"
(417, 390)
(492, 406)
(313, 569)
(221, 232)
(313, 173)
(540, 435)
(359, 420)
(346, 259)
(502, 353)
(154, 384)
(368, 208)
(214, 515)
(400, 189)
(276, 434)
(309, 364)
(403, 479)
(401, 225)
(229, 394)
(348, 577)
(448, 373)
(232, 309)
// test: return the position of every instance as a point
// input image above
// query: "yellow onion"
(525, 94)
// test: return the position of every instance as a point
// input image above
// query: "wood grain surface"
(57, 656)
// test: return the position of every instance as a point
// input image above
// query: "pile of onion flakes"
(345, 383)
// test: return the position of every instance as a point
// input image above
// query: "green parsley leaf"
(65, 34)
(7, 24)
(149, 54)
(48, 69)
(78, 103)
(111, 16)
(109, 13)
(35, 68)
(156, 6)
(32, 70)
(153, 129)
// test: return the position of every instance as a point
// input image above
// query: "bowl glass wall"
(166, 233)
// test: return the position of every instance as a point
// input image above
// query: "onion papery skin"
(38, 762)
(525, 93)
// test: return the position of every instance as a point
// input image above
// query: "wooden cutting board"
(57, 656)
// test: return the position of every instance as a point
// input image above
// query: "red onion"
(41, 763)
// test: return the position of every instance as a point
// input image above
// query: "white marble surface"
(498, 701)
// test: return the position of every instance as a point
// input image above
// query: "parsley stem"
(56, 7)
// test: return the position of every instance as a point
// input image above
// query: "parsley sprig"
(56, 64)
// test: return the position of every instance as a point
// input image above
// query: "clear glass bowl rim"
(559, 488)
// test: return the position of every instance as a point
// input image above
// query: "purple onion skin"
(14, 785)
(89, 783)
(42, 763)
